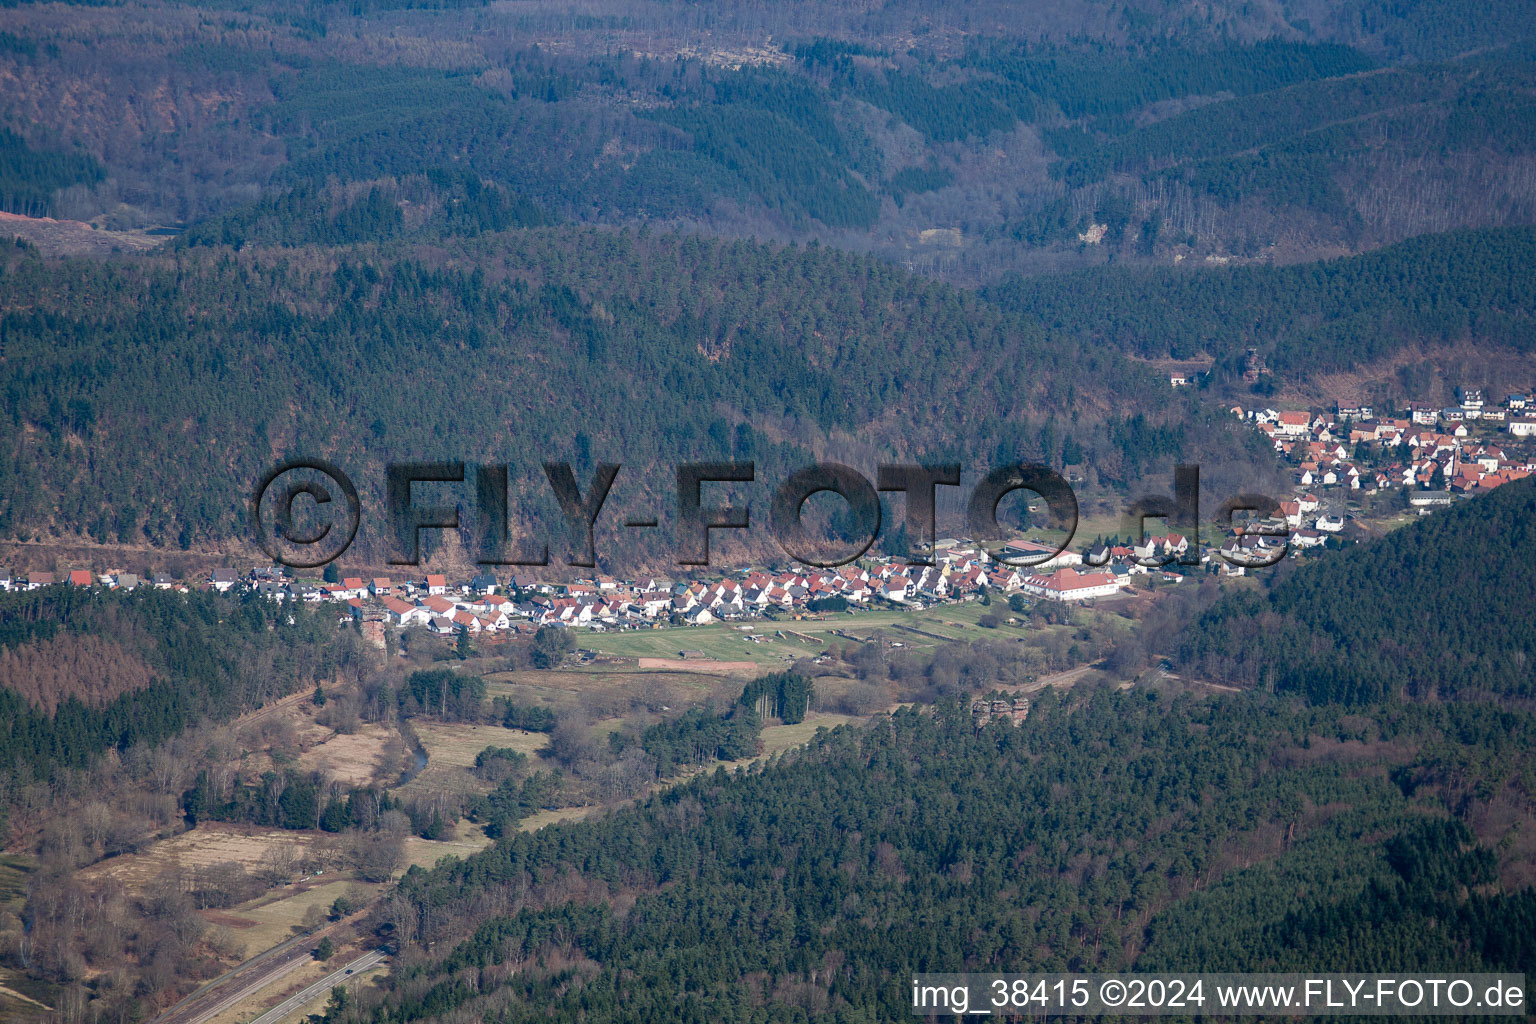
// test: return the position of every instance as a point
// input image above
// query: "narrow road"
(321, 987)
(1066, 678)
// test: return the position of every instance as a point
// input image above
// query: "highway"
(321, 987)
(250, 977)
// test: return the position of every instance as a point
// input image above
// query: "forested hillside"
(524, 346)
(89, 671)
(1469, 289)
(967, 144)
(1118, 832)
(1438, 610)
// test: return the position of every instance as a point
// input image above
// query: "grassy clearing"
(534, 822)
(264, 922)
(467, 840)
(719, 641)
(779, 738)
(610, 690)
(13, 881)
(23, 998)
(799, 639)
(451, 751)
(457, 744)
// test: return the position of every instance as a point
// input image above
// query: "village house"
(1291, 423)
(402, 614)
(1159, 550)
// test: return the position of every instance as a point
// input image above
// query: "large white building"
(1071, 585)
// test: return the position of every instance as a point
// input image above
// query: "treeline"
(530, 717)
(1000, 84)
(699, 737)
(589, 134)
(1439, 892)
(1096, 82)
(782, 695)
(212, 657)
(460, 204)
(1096, 836)
(285, 799)
(762, 138)
(444, 694)
(1437, 610)
(1220, 129)
(514, 798)
(29, 177)
(1306, 318)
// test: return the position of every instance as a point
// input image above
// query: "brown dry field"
(458, 745)
(356, 759)
(211, 843)
(297, 720)
(712, 667)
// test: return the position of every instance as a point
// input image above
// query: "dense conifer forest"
(1469, 289)
(1112, 832)
(1359, 628)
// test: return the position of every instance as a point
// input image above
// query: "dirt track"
(724, 668)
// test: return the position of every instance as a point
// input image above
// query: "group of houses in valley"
(484, 604)
(1435, 455)
(1458, 449)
